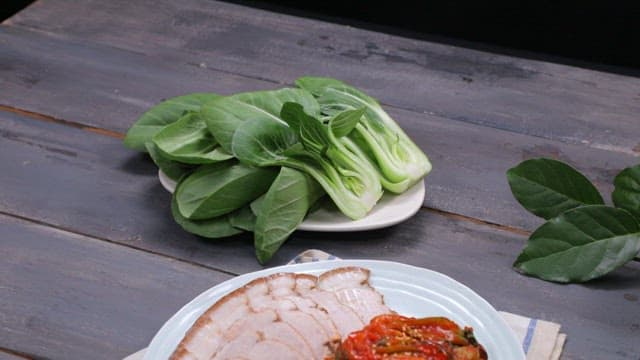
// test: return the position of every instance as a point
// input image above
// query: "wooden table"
(92, 263)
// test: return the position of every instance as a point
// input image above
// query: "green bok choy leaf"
(223, 115)
(312, 147)
(400, 162)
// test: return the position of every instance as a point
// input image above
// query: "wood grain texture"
(65, 296)
(10, 355)
(91, 184)
(97, 85)
(109, 88)
(88, 184)
(541, 99)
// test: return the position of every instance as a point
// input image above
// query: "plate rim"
(356, 225)
(325, 265)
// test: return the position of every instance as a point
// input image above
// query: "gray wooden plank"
(91, 184)
(109, 88)
(66, 296)
(87, 183)
(97, 85)
(546, 100)
(10, 355)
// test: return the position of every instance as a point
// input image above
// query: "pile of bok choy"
(258, 161)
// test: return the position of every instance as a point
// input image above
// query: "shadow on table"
(623, 278)
(139, 164)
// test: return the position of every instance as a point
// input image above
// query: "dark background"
(604, 35)
(10, 7)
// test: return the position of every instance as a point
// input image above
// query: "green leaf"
(350, 181)
(256, 205)
(317, 85)
(161, 115)
(581, 244)
(243, 218)
(400, 162)
(217, 227)
(189, 141)
(549, 187)
(217, 189)
(224, 115)
(283, 209)
(343, 123)
(289, 114)
(173, 169)
(312, 133)
(335, 96)
(626, 194)
(262, 143)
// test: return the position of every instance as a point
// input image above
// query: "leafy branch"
(582, 239)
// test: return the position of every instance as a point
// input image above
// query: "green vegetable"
(350, 181)
(159, 116)
(225, 114)
(259, 161)
(217, 189)
(626, 194)
(243, 218)
(399, 161)
(189, 141)
(217, 227)
(256, 205)
(284, 207)
(548, 187)
(343, 123)
(581, 244)
(173, 169)
(582, 238)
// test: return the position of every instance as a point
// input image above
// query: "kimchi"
(396, 337)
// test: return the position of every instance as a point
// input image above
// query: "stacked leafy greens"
(259, 161)
(582, 239)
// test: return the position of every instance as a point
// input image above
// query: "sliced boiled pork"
(284, 316)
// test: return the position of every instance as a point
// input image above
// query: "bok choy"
(399, 160)
(312, 147)
(259, 161)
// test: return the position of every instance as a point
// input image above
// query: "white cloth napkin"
(541, 340)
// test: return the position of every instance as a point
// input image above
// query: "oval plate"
(390, 210)
(409, 290)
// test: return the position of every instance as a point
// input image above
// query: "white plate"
(390, 210)
(409, 290)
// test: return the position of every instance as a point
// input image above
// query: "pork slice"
(251, 323)
(205, 336)
(244, 333)
(305, 282)
(345, 319)
(258, 330)
(282, 284)
(269, 302)
(274, 350)
(308, 306)
(343, 278)
(351, 286)
(257, 292)
(271, 293)
(239, 347)
(319, 342)
(366, 302)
